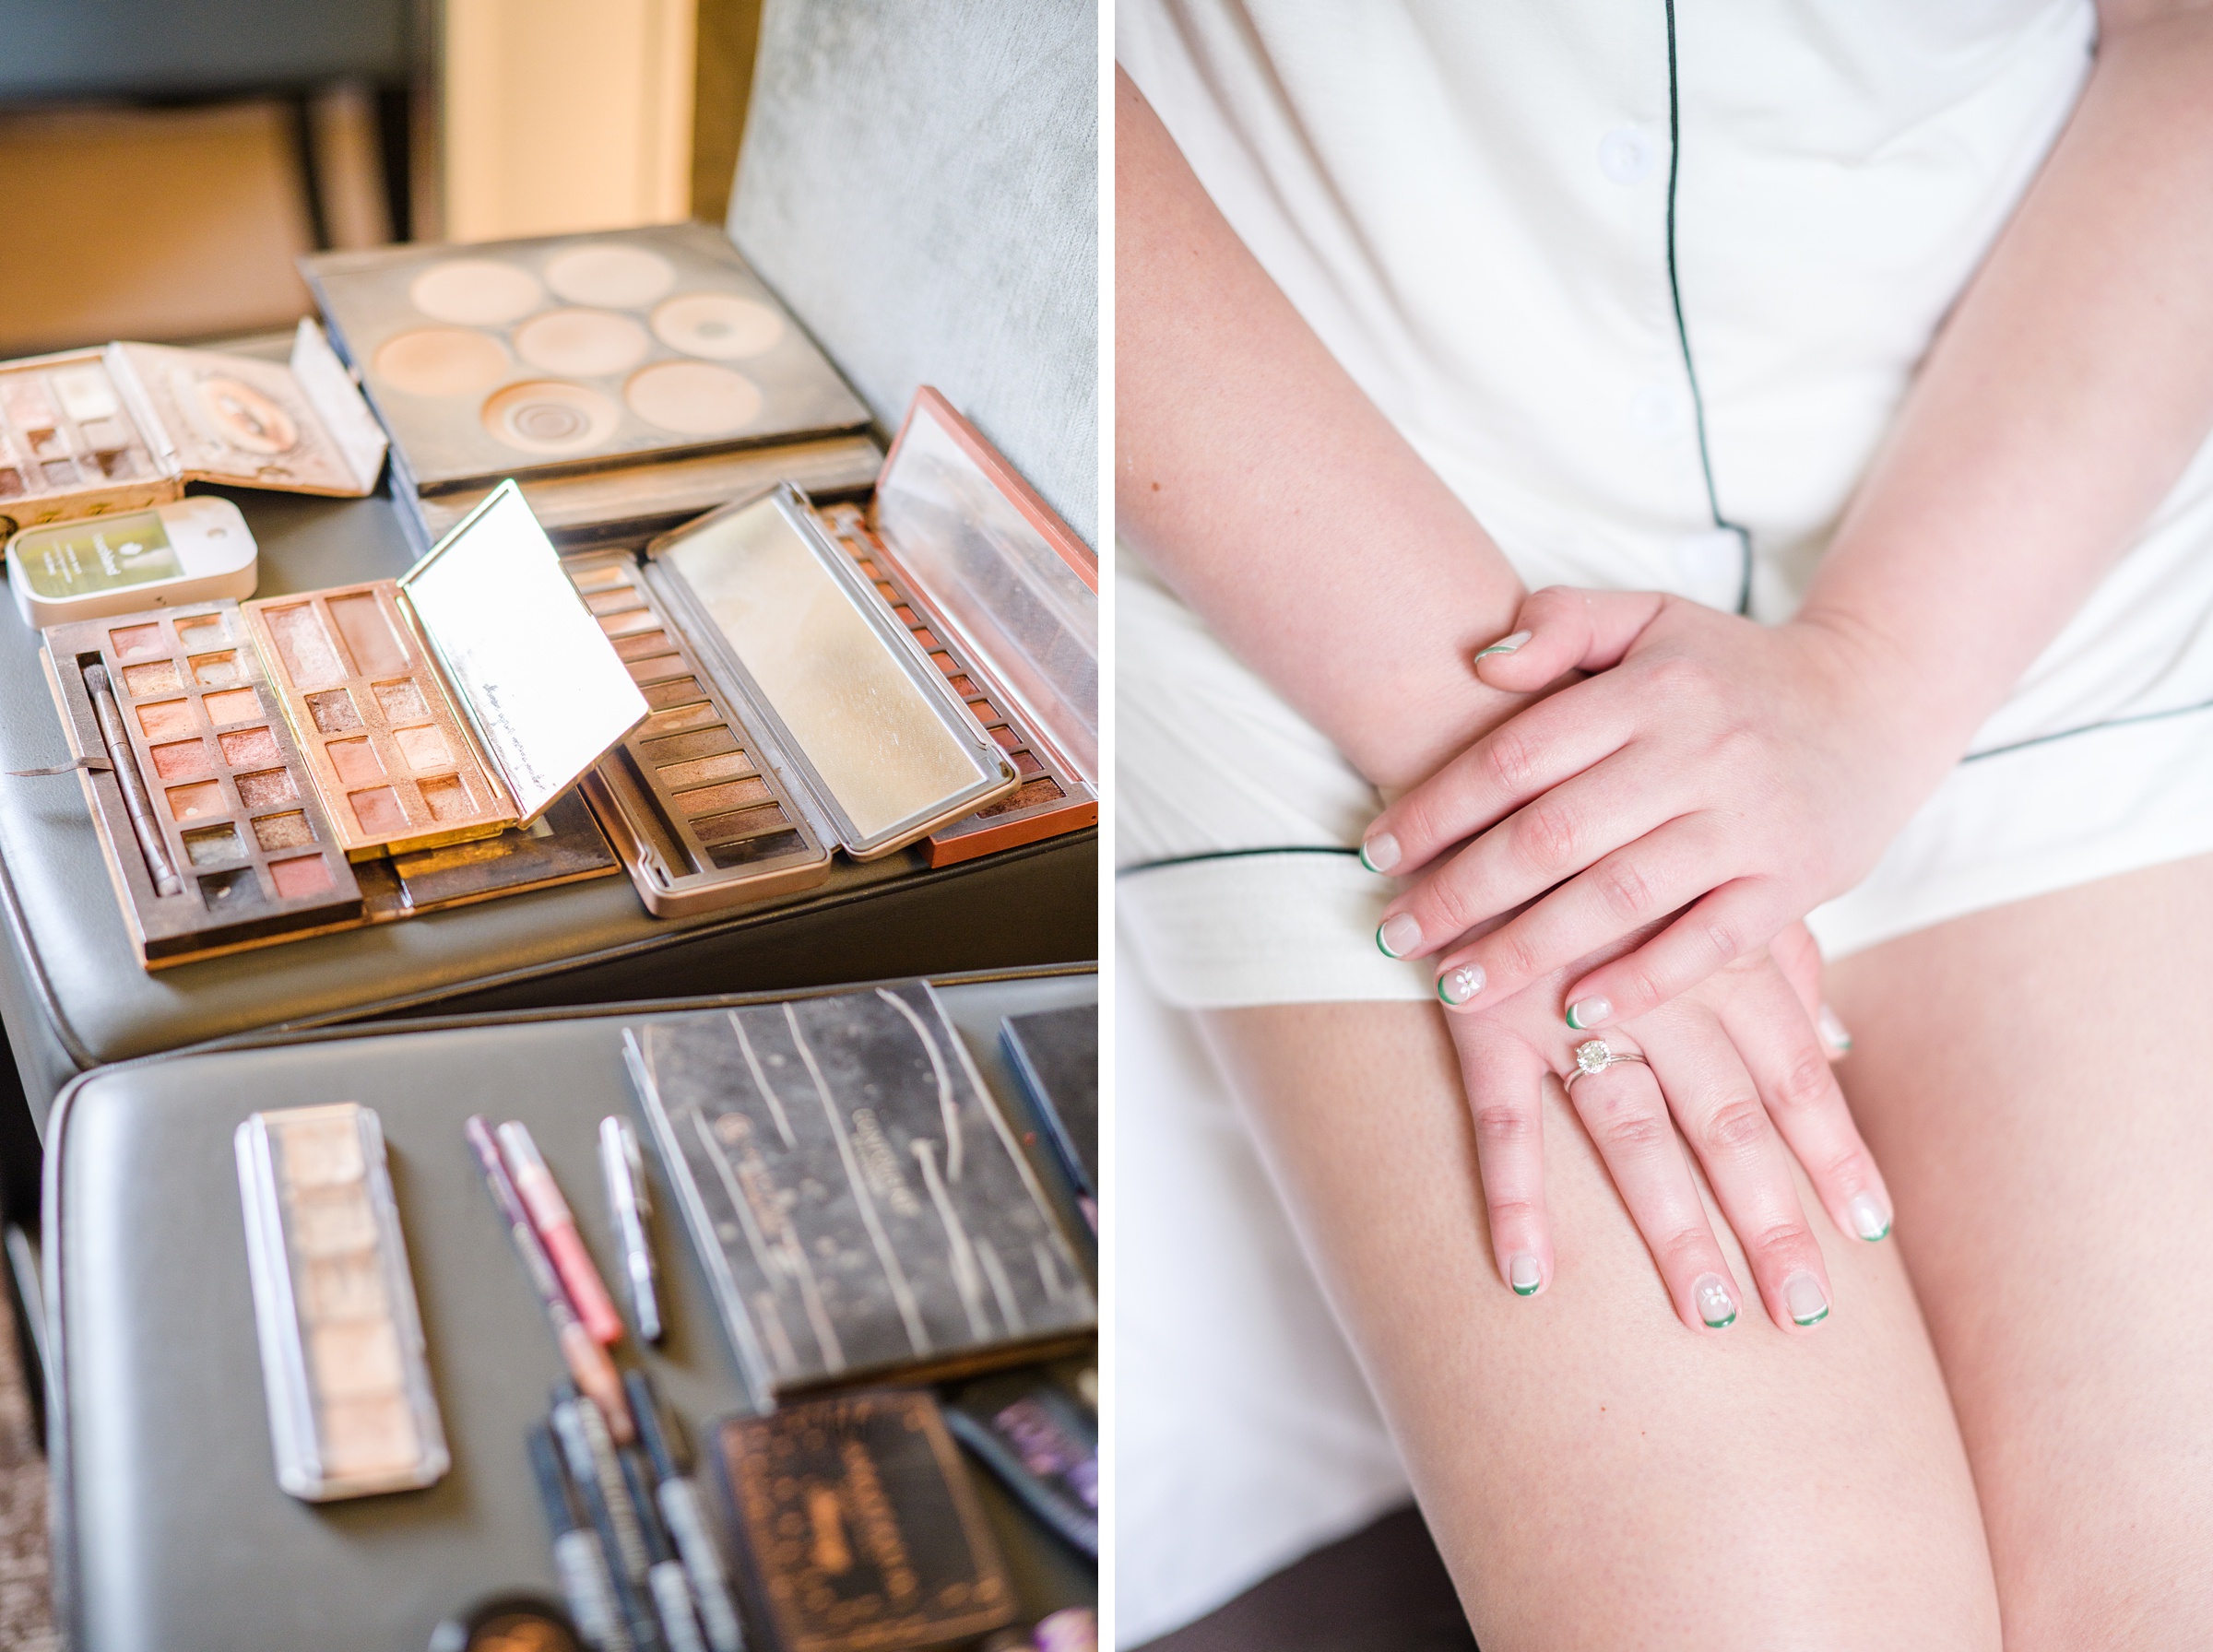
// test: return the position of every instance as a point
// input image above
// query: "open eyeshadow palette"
(215, 837)
(456, 702)
(705, 802)
(577, 355)
(343, 1371)
(88, 432)
(239, 759)
(793, 714)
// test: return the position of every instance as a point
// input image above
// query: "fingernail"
(1457, 986)
(1802, 1300)
(1380, 853)
(1505, 644)
(1717, 1305)
(1832, 1031)
(1869, 1220)
(1525, 1274)
(1587, 1013)
(1399, 935)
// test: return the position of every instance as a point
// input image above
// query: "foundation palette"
(570, 352)
(455, 702)
(791, 713)
(214, 833)
(89, 432)
(347, 1384)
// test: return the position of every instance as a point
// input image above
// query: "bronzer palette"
(213, 834)
(572, 355)
(89, 432)
(792, 713)
(454, 702)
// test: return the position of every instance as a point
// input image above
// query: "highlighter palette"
(215, 836)
(572, 352)
(343, 1369)
(455, 702)
(89, 432)
(796, 712)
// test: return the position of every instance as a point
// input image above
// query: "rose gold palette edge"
(124, 425)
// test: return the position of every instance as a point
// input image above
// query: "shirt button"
(1625, 155)
(1656, 411)
(1712, 563)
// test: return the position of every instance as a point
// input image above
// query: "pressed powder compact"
(791, 713)
(342, 1366)
(215, 837)
(454, 702)
(88, 432)
(585, 360)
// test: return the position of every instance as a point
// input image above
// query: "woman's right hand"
(1737, 1069)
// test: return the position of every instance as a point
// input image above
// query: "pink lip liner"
(556, 1232)
(586, 1361)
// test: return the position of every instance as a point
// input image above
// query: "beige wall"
(566, 115)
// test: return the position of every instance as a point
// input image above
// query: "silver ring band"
(1595, 1055)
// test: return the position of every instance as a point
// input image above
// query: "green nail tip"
(1370, 865)
(1485, 654)
(1721, 1324)
(1878, 1238)
(1810, 1318)
(1573, 1022)
(1441, 993)
(1380, 946)
(1527, 1290)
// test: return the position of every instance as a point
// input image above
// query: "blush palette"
(215, 835)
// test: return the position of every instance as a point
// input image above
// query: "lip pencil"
(586, 1361)
(585, 1579)
(627, 1199)
(556, 1231)
(687, 1522)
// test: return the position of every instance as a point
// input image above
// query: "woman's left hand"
(1734, 773)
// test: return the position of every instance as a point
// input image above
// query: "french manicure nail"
(1399, 935)
(1525, 1274)
(1587, 1013)
(1833, 1031)
(1869, 1220)
(1457, 986)
(1717, 1304)
(1505, 644)
(1803, 1299)
(1380, 853)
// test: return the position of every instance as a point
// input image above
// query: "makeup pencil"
(664, 1575)
(585, 1580)
(628, 1201)
(588, 1361)
(136, 799)
(687, 1521)
(599, 1481)
(556, 1231)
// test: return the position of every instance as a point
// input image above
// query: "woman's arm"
(1751, 775)
(1255, 477)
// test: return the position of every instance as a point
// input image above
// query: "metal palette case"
(842, 709)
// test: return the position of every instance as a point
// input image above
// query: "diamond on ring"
(1593, 1056)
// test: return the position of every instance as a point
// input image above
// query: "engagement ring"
(1595, 1055)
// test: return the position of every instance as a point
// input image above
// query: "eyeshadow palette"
(88, 432)
(855, 1198)
(343, 1371)
(213, 834)
(570, 352)
(860, 1526)
(454, 702)
(792, 713)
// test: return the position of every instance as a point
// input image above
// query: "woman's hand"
(1736, 1068)
(1733, 774)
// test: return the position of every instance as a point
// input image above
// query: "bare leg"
(2035, 1082)
(1598, 1476)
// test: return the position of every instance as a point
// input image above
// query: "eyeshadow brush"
(586, 1361)
(135, 795)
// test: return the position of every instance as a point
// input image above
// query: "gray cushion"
(919, 181)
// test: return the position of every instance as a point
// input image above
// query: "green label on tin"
(88, 556)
